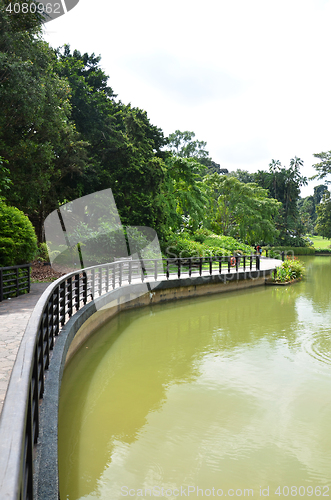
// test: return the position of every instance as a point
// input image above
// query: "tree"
(241, 210)
(323, 222)
(324, 167)
(242, 175)
(37, 138)
(182, 144)
(319, 191)
(183, 194)
(5, 181)
(284, 185)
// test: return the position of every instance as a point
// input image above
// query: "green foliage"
(230, 244)
(36, 135)
(323, 222)
(182, 196)
(5, 181)
(42, 252)
(276, 252)
(291, 269)
(182, 144)
(240, 210)
(185, 245)
(124, 148)
(283, 184)
(320, 243)
(18, 242)
(323, 168)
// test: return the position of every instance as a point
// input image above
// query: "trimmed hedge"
(208, 245)
(276, 251)
(18, 241)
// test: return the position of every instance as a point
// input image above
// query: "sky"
(249, 77)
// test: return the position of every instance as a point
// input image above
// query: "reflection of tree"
(317, 284)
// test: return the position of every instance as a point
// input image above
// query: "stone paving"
(14, 316)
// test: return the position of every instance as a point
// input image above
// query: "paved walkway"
(14, 316)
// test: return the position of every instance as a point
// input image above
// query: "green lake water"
(231, 392)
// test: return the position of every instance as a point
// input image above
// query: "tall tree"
(323, 222)
(124, 147)
(183, 144)
(284, 185)
(241, 210)
(323, 168)
(37, 138)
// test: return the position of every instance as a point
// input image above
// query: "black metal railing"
(14, 281)
(19, 424)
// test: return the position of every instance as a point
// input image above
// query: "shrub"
(180, 245)
(18, 241)
(229, 243)
(290, 269)
(323, 250)
(42, 252)
(276, 252)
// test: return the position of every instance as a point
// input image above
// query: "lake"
(228, 395)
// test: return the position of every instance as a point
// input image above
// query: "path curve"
(14, 316)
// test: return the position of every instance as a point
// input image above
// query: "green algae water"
(220, 396)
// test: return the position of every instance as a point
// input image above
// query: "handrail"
(12, 283)
(19, 421)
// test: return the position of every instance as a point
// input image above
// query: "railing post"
(237, 263)
(57, 306)
(178, 267)
(142, 271)
(229, 263)
(167, 269)
(29, 280)
(257, 262)
(220, 265)
(250, 262)
(130, 271)
(69, 288)
(85, 288)
(120, 273)
(45, 343)
(100, 281)
(155, 270)
(17, 290)
(200, 266)
(190, 266)
(92, 281)
(76, 292)
(210, 266)
(114, 275)
(62, 302)
(107, 278)
(244, 262)
(283, 255)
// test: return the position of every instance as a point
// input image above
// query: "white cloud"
(250, 78)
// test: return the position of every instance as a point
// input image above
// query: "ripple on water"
(318, 346)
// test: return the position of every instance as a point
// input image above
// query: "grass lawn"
(319, 242)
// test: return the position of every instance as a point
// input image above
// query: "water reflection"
(231, 391)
